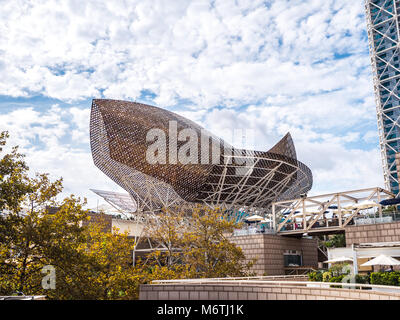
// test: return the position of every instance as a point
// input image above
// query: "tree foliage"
(197, 244)
(90, 263)
(100, 267)
(14, 183)
(336, 241)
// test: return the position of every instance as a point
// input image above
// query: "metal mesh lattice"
(118, 132)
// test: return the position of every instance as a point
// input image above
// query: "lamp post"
(355, 264)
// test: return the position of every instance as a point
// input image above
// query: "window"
(292, 258)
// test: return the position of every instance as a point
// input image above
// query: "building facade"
(384, 35)
(278, 255)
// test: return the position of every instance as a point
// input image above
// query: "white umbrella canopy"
(382, 260)
(254, 218)
(339, 259)
(343, 211)
(266, 220)
(366, 204)
(312, 213)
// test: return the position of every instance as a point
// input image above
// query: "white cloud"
(212, 53)
(336, 165)
(80, 118)
(44, 138)
(285, 65)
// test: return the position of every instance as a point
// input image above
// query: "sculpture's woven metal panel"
(285, 147)
(238, 177)
(120, 201)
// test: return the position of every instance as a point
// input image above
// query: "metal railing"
(251, 231)
(372, 220)
(334, 222)
(387, 217)
(322, 223)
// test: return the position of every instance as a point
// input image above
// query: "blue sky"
(269, 66)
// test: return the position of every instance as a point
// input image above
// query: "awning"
(254, 218)
(339, 259)
(390, 202)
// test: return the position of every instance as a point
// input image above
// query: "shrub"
(386, 278)
(326, 276)
(315, 276)
(379, 278)
(393, 278)
(362, 278)
(337, 278)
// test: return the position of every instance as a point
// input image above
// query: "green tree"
(166, 235)
(336, 241)
(89, 263)
(99, 267)
(14, 183)
(195, 245)
(207, 248)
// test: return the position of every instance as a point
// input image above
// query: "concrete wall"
(133, 228)
(269, 249)
(255, 292)
(381, 232)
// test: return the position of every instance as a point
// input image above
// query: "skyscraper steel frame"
(384, 42)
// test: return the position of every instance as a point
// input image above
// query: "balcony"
(386, 218)
(247, 231)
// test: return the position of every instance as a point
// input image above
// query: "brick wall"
(381, 232)
(269, 249)
(264, 291)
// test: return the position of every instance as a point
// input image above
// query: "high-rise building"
(383, 18)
